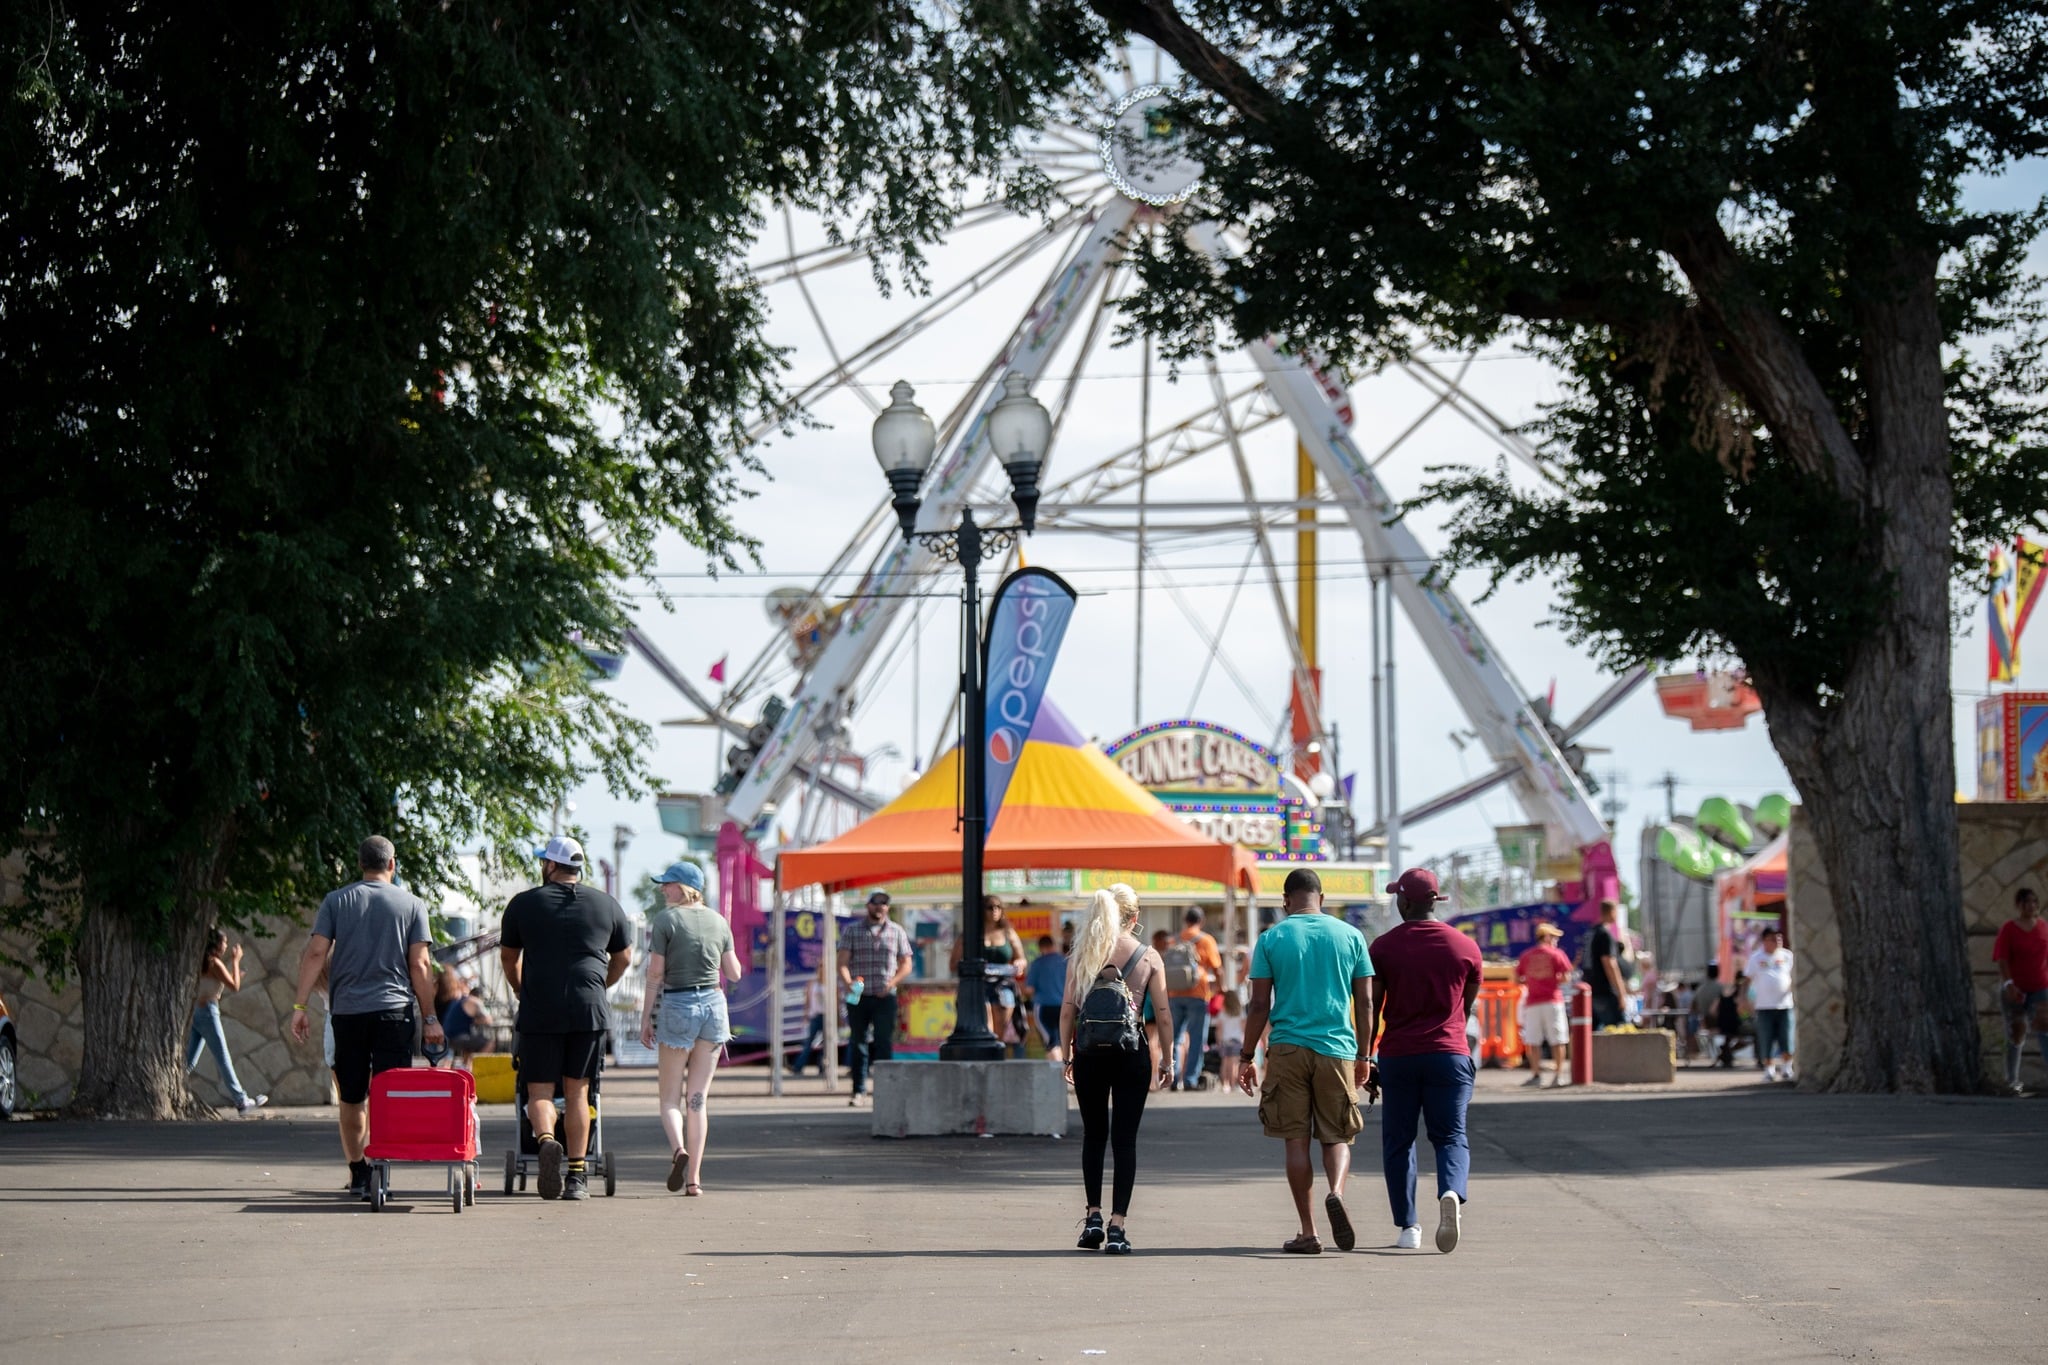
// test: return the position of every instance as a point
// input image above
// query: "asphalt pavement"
(1715, 1219)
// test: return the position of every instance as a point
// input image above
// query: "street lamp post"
(1020, 429)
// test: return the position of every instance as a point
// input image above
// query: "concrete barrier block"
(1646, 1058)
(948, 1099)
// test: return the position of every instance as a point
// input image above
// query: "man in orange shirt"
(1194, 972)
(1543, 970)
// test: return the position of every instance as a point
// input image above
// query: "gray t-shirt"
(372, 924)
(692, 941)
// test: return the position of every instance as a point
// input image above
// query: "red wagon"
(423, 1117)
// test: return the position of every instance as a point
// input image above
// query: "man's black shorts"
(545, 1058)
(365, 1044)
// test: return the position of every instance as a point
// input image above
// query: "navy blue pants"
(1434, 1088)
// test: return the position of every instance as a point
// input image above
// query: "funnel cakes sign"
(1224, 784)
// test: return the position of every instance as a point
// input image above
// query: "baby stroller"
(527, 1153)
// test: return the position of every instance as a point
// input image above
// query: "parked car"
(9, 1090)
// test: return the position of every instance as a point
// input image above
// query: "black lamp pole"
(971, 1040)
(1019, 428)
(970, 543)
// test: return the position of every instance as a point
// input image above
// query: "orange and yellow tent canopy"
(1068, 806)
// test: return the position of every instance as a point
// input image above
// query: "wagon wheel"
(378, 1193)
(457, 1178)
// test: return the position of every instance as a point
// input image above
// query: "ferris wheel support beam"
(827, 691)
(1478, 677)
(1493, 702)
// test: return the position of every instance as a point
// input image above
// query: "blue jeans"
(206, 1033)
(1191, 1016)
(1435, 1087)
(814, 1041)
(1773, 1034)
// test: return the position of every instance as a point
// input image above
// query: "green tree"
(355, 354)
(1807, 388)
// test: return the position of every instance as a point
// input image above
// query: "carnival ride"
(1115, 174)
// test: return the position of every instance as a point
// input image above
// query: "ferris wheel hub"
(1142, 152)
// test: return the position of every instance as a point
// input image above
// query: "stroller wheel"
(611, 1176)
(511, 1170)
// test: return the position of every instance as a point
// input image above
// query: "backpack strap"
(1136, 959)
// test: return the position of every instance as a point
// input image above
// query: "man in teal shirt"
(1310, 972)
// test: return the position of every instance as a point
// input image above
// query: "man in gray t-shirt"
(372, 939)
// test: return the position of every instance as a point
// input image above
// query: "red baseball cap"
(1418, 884)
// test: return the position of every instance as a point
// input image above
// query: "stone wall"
(50, 1024)
(2004, 847)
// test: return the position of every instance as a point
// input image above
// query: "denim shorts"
(691, 1017)
(2024, 1010)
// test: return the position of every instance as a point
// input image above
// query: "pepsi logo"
(1003, 746)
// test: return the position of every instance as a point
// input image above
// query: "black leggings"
(1126, 1077)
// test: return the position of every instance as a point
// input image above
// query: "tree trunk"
(1875, 764)
(137, 990)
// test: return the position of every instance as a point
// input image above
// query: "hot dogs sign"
(1223, 783)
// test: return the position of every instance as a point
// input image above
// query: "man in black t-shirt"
(563, 946)
(1603, 968)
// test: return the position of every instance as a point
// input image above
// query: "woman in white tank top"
(221, 973)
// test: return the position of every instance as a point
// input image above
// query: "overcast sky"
(822, 483)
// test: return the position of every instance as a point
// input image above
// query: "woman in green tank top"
(684, 1009)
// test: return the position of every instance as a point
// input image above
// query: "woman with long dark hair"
(1002, 955)
(1112, 1063)
(221, 972)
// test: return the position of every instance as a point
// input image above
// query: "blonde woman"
(690, 951)
(1111, 1082)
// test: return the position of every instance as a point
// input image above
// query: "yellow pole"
(1305, 554)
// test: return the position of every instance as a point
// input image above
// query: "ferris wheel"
(1112, 172)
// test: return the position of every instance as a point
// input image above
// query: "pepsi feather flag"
(1026, 622)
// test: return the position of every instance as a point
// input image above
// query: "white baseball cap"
(564, 850)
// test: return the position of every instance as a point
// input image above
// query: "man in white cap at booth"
(563, 945)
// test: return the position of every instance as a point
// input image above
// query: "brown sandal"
(1308, 1244)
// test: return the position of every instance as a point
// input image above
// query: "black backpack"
(1108, 1021)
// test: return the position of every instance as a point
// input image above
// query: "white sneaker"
(1447, 1225)
(255, 1102)
(1409, 1240)
(1561, 1082)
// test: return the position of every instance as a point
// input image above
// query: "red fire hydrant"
(1582, 1034)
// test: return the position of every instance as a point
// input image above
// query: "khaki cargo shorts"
(1307, 1095)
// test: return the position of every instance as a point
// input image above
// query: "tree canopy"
(1805, 378)
(356, 355)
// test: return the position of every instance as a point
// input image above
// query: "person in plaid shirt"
(877, 955)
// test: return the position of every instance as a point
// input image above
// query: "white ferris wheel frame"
(1524, 753)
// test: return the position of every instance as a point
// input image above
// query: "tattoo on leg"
(696, 1101)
